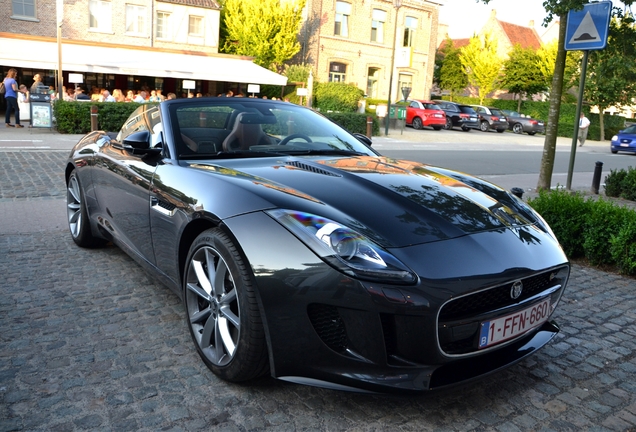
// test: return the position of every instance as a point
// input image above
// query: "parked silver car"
(519, 123)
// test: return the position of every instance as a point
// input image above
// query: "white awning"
(37, 54)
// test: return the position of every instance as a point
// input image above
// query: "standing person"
(24, 104)
(37, 82)
(584, 125)
(11, 96)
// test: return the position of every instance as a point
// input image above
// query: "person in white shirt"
(141, 97)
(24, 104)
(107, 96)
(584, 125)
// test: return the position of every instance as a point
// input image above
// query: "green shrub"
(566, 214)
(613, 183)
(354, 123)
(628, 185)
(623, 246)
(604, 220)
(75, 117)
(337, 97)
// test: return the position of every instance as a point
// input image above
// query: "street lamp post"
(60, 18)
(398, 4)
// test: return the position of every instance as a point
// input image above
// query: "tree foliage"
(482, 64)
(522, 73)
(449, 71)
(611, 76)
(264, 29)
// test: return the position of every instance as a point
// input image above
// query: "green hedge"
(353, 122)
(621, 184)
(75, 117)
(601, 231)
(339, 97)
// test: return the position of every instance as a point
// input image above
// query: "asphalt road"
(88, 341)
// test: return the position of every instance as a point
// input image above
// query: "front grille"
(494, 298)
(329, 326)
(460, 319)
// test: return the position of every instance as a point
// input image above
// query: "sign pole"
(577, 121)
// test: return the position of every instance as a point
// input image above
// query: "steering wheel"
(288, 138)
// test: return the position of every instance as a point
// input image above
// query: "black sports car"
(301, 252)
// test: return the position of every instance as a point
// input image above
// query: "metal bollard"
(94, 118)
(518, 192)
(369, 127)
(596, 180)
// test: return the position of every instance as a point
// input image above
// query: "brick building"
(352, 41)
(125, 45)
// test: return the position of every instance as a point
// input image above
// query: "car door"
(411, 111)
(122, 188)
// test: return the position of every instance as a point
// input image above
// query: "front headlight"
(345, 249)
(615, 138)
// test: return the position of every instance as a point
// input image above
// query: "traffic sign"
(587, 29)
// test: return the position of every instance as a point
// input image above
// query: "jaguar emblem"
(516, 290)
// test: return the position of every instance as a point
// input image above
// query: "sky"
(466, 17)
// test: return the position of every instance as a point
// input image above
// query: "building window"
(410, 25)
(135, 19)
(337, 72)
(377, 25)
(24, 8)
(163, 25)
(100, 15)
(372, 82)
(195, 26)
(343, 11)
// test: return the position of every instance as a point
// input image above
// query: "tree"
(482, 64)
(560, 9)
(611, 77)
(522, 74)
(449, 72)
(264, 29)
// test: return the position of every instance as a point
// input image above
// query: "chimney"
(531, 24)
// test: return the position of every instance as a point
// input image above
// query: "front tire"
(77, 215)
(221, 308)
(517, 128)
(614, 151)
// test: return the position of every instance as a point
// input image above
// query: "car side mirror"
(139, 143)
(363, 139)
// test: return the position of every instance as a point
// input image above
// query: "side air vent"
(306, 167)
(329, 326)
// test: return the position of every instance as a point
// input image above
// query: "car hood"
(396, 202)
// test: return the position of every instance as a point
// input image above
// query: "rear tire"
(449, 123)
(437, 127)
(417, 123)
(517, 128)
(484, 126)
(465, 129)
(221, 308)
(501, 130)
(532, 133)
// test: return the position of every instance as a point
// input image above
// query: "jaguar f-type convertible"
(301, 252)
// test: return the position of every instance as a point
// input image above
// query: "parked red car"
(420, 113)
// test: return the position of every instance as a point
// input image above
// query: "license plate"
(438, 115)
(624, 145)
(507, 327)
(540, 123)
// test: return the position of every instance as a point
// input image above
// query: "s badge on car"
(516, 290)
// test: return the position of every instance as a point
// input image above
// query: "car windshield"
(244, 127)
(630, 130)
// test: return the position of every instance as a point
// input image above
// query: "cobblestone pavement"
(89, 342)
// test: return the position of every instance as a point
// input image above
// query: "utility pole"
(398, 4)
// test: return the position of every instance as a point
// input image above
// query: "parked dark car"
(518, 123)
(624, 141)
(491, 118)
(420, 113)
(300, 252)
(459, 115)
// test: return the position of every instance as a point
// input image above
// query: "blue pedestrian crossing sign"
(587, 29)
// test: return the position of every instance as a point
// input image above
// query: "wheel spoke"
(200, 316)
(202, 278)
(209, 329)
(219, 278)
(200, 292)
(226, 337)
(218, 343)
(231, 317)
